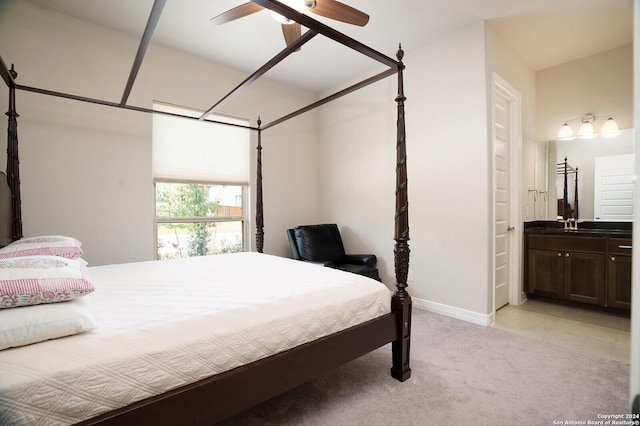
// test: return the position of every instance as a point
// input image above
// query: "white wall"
(504, 61)
(447, 171)
(86, 169)
(450, 187)
(600, 84)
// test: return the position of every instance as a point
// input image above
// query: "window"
(194, 219)
(201, 182)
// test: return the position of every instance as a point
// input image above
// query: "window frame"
(244, 220)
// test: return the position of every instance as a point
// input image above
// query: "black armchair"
(322, 244)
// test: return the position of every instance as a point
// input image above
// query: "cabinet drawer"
(620, 246)
(567, 243)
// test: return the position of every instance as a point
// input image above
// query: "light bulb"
(610, 128)
(565, 133)
(586, 130)
(281, 19)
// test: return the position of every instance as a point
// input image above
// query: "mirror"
(592, 157)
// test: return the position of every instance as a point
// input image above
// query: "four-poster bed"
(221, 395)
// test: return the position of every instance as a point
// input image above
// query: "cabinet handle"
(566, 255)
(625, 247)
(559, 254)
(613, 258)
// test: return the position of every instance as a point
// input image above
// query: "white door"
(613, 187)
(502, 142)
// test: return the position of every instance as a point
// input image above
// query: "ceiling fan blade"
(236, 13)
(340, 12)
(291, 32)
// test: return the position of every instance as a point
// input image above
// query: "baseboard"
(453, 312)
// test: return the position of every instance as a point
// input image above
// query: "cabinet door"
(619, 282)
(584, 278)
(545, 273)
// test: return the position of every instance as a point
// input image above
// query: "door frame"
(499, 86)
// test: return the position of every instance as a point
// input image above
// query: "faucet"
(571, 223)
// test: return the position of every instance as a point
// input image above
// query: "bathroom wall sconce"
(586, 130)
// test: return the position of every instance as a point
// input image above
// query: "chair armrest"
(360, 259)
(320, 262)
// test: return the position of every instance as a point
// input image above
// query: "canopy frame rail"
(262, 70)
(145, 41)
(118, 105)
(315, 27)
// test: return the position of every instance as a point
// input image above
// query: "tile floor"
(588, 331)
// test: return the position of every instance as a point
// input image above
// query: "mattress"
(164, 324)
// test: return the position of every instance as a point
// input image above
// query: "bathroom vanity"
(589, 266)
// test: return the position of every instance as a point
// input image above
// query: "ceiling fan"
(290, 29)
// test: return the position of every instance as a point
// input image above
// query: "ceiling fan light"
(297, 5)
(610, 128)
(281, 19)
(565, 133)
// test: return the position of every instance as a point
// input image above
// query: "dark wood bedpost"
(13, 162)
(259, 205)
(401, 301)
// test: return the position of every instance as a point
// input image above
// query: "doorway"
(506, 138)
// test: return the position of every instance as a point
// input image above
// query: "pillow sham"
(33, 280)
(32, 324)
(53, 245)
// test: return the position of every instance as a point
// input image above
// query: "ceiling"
(543, 32)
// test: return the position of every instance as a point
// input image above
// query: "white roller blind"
(185, 149)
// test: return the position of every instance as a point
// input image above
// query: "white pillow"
(52, 245)
(31, 324)
(32, 280)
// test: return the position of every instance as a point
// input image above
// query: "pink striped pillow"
(51, 245)
(32, 280)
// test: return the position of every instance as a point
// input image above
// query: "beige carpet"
(462, 374)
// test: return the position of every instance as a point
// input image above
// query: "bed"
(200, 389)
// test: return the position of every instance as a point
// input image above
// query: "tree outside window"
(196, 219)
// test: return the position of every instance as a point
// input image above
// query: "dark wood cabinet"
(546, 273)
(586, 268)
(567, 268)
(619, 273)
(584, 277)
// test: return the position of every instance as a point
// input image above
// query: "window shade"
(185, 149)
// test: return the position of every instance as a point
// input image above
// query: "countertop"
(617, 229)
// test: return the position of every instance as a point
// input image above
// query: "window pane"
(228, 199)
(177, 240)
(174, 200)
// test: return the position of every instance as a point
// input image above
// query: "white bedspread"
(164, 324)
